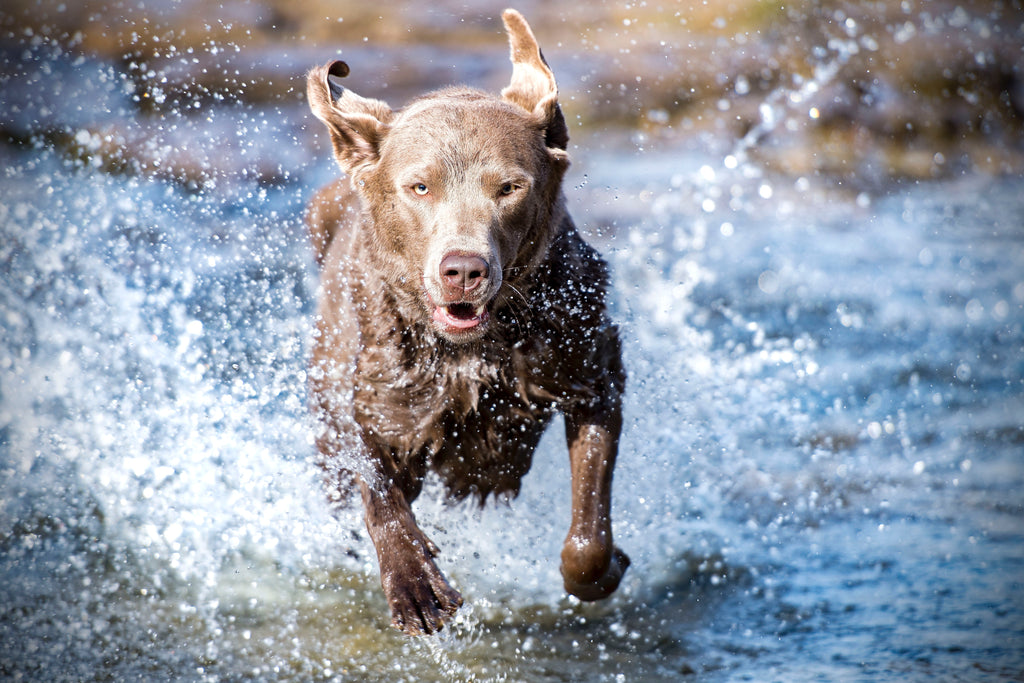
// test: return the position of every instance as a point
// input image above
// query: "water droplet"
(974, 310)
(963, 372)
(768, 282)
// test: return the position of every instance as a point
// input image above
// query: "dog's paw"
(420, 598)
(604, 585)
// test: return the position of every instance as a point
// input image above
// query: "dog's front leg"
(591, 564)
(418, 594)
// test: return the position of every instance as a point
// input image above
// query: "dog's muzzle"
(466, 292)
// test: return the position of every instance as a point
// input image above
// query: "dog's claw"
(424, 607)
(420, 598)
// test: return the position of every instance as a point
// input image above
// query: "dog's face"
(464, 184)
(460, 186)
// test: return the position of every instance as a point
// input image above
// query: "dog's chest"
(471, 416)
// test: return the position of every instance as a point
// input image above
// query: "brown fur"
(460, 309)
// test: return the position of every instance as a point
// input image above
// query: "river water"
(821, 474)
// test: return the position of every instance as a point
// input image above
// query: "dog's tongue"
(458, 316)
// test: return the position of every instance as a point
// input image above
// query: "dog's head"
(462, 187)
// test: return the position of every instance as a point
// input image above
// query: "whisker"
(516, 290)
(518, 312)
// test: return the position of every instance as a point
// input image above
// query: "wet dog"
(459, 311)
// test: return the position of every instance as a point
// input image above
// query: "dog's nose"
(461, 273)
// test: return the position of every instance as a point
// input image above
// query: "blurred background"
(813, 212)
(868, 90)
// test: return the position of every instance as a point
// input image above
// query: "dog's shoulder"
(573, 281)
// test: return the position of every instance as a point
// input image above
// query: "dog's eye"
(420, 189)
(507, 189)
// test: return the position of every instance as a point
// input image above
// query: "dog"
(459, 310)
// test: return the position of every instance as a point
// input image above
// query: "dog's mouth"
(461, 317)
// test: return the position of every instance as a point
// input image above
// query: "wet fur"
(397, 395)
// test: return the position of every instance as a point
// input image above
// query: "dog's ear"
(356, 124)
(533, 85)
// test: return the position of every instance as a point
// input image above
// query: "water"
(820, 476)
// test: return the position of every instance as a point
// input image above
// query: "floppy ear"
(356, 124)
(533, 85)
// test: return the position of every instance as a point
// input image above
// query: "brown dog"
(459, 310)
